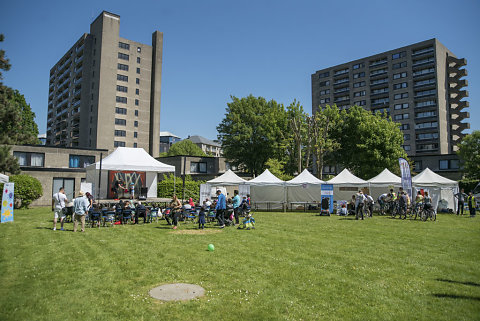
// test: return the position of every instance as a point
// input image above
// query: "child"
(248, 222)
(201, 218)
(343, 210)
(132, 191)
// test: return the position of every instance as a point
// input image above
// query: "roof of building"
(202, 140)
(168, 134)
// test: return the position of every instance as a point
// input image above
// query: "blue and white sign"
(406, 176)
(327, 192)
(7, 203)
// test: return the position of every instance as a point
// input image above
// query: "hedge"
(192, 187)
(26, 189)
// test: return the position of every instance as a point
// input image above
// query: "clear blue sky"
(214, 49)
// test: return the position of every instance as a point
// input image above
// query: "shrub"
(192, 187)
(27, 189)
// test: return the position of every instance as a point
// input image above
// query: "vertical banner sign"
(406, 176)
(327, 193)
(7, 203)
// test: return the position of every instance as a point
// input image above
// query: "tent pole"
(174, 185)
(100, 177)
(184, 165)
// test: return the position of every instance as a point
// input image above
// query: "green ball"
(211, 247)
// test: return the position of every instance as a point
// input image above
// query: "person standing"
(461, 196)
(402, 204)
(471, 204)
(370, 203)
(176, 208)
(220, 208)
(132, 191)
(201, 218)
(58, 207)
(236, 206)
(80, 208)
(359, 204)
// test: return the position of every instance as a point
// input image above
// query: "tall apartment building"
(418, 85)
(105, 91)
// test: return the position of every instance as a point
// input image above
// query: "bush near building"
(26, 189)
(166, 187)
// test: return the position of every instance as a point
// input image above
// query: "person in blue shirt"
(80, 207)
(220, 208)
(236, 206)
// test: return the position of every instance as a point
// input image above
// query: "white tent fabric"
(267, 191)
(4, 178)
(380, 183)
(346, 184)
(227, 178)
(304, 188)
(438, 187)
(225, 183)
(127, 159)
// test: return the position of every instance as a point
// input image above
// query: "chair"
(95, 217)
(127, 216)
(188, 214)
(108, 216)
(211, 216)
(153, 213)
(118, 214)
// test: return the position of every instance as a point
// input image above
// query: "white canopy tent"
(229, 178)
(3, 178)
(382, 182)
(267, 191)
(304, 188)
(127, 159)
(441, 189)
(346, 184)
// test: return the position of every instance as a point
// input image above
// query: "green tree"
(185, 148)
(4, 61)
(277, 168)
(166, 187)
(27, 190)
(295, 137)
(469, 153)
(369, 142)
(252, 132)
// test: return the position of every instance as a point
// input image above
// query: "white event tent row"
(126, 159)
(227, 183)
(441, 189)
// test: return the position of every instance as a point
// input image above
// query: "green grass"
(294, 266)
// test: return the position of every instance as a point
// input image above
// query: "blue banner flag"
(406, 176)
(7, 203)
(327, 192)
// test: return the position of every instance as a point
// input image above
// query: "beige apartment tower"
(105, 91)
(419, 86)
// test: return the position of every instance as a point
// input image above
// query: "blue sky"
(214, 49)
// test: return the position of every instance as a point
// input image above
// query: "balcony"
(378, 63)
(80, 48)
(423, 72)
(379, 72)
(78, 60)
(423, 51)
(77, 103)
(423, 62)
(79, 69)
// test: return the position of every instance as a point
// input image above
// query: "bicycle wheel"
(423, 215)
(433, 215)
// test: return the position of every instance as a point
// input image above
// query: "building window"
(198, 167)
(323, 75)
(399, 55)
(123, 45)
(340, 81)
(419, 83)
(427, 136)
(325, 92)
(379, 91)
(119, 121)
(423, 71)
(324, 83)
(120, 133)
(361, 103)
(359, 75)
(379, 81)
(400, 85)
(400, 75)
(378, 72)
(359, 84)
(134, 145)
(359, 93)
(426, 103)
(30, 159)
(138, 60)
(430, 124)
(402, 64)
(80, 161)
(340, 72)
(138, 70)
(135, 134)
(400, 96)
(406, 147)
(401, 116)
(401, 106)
(136, 102)
(358, 66)
(425, 114)
(417, 165)
(324, 100)
(425, 93)
(139, 49)
(136, 112)
(120, 110)
(121, 99)
(405, 126)
(122, 78)
(426, 147)
(380, 101)
(122, 89)
(122, 67)
(118, 144)
(135, 123)
(406, 137)
(137, 91)
(123, 56)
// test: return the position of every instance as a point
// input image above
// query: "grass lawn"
(293, 266)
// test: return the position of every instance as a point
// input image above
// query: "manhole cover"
(177, 292)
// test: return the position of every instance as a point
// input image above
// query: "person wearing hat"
(80, 208)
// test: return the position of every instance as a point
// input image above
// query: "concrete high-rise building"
(418, 85)
(105, 91)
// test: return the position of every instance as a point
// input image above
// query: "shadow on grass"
(459, 282)
(454, 296)
(43, 228)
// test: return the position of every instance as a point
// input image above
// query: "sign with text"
(327, 194)
(7, 203)
(406, 176)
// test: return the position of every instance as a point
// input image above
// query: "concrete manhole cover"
(177, 292)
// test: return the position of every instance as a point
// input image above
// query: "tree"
(296, 135)
(277, 168)
(8, 163)
(252, 132)
(4, 62)
(185, 148)
(369, 142)
(469, 153)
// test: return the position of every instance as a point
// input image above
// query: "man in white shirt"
(58, 204)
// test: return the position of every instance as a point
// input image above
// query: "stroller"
(325, 207)
(244, 209)
(228, 215)
(248, 222)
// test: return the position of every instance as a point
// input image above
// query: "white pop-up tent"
(346, 184)
(304, 188)
(441, 189)
(3, 178)
(267, 191)
(382, 182)
(229, 178)
(129, 160)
